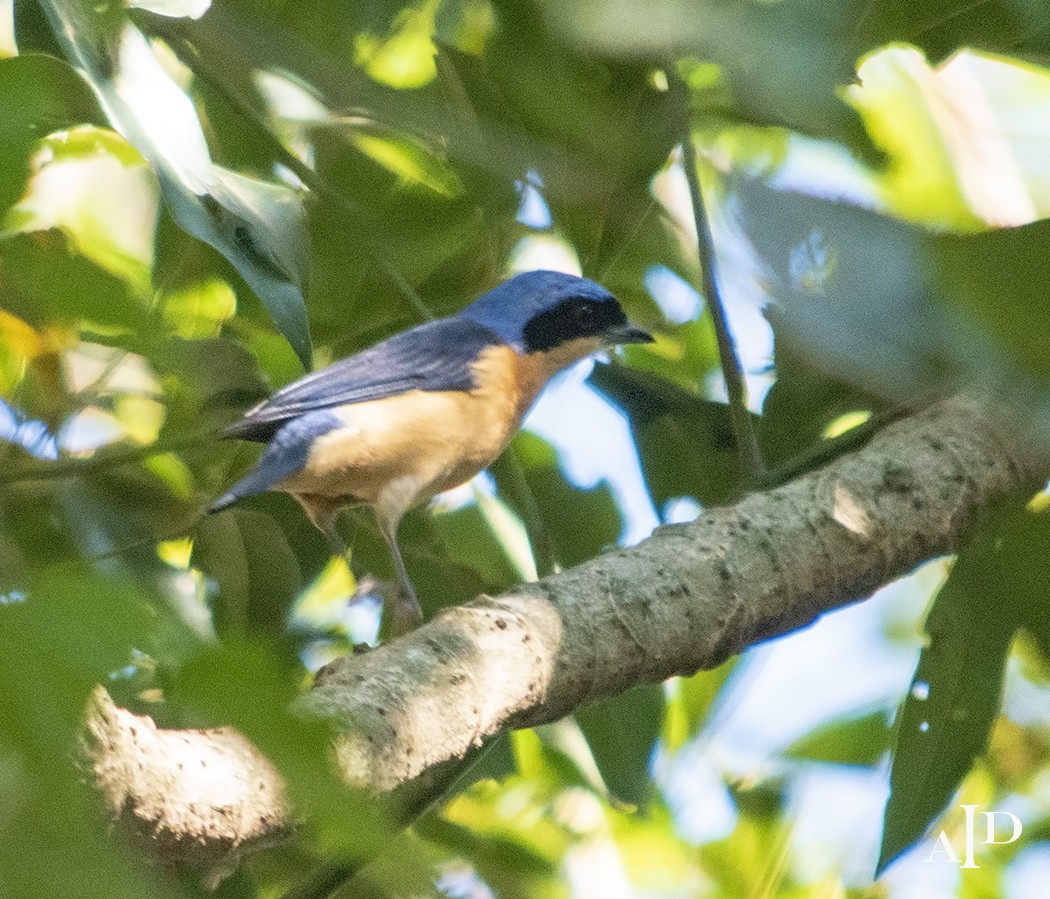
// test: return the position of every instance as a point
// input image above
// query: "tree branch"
(685, 599)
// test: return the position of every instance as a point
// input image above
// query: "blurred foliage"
(199, 201)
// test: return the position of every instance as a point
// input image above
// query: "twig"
(747, 441)
(824, 451)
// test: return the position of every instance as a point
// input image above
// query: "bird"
(424, 410)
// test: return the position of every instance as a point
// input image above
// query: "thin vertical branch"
(753, 466)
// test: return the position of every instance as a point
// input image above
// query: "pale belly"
(413, 445)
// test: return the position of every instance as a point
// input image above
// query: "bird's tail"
(258, 480)
(225, 501)
(286, 454)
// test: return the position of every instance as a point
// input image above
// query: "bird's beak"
(628, 332)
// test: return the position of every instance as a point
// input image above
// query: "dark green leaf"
(71, 629)
(786, 62)
(469, 541)
(45, 281)
(508, 865)
(576, 524)
(857, 294)
(686, 442)
(622, 732)
(249, 687)
(127, 509)
(946, 718)
(255, 571)
(998, 279)
(691, 703)
(782, 61)
(804, 401)
(439, 580)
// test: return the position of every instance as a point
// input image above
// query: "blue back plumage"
(505, 310)
(435, 356)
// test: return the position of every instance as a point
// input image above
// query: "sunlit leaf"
(409, 160)
(258, 226)
(77, 174)
(199, 310)
(193, 9)
(39, 95)
(852, 741)
(404, 58)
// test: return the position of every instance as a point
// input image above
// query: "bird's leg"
(406, 614)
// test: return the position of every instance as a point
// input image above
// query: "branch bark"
(685, 599)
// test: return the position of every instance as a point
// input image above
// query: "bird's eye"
(586, 318)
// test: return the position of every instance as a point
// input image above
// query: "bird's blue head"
(538, 311)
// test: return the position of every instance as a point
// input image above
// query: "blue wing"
(436, 355)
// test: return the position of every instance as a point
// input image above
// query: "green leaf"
(67, 631)
(686, 443)
(622, 732)
(946, 718)
(996, 278)
(507, 864)
(39, 95)
(881, 305)
(782, 61)
(438, 578)
(855, 740)
(858, 294)
(255, 571)
(785, 62)
(219, 372)
(413, 162)
(258, 226)
(129, 508)
(248, 686)
(469, 540)
(192, 9)
(45, 281)
(690, 702)
(575, 524)
(805, 400)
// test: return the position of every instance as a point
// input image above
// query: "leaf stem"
(752, 464)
